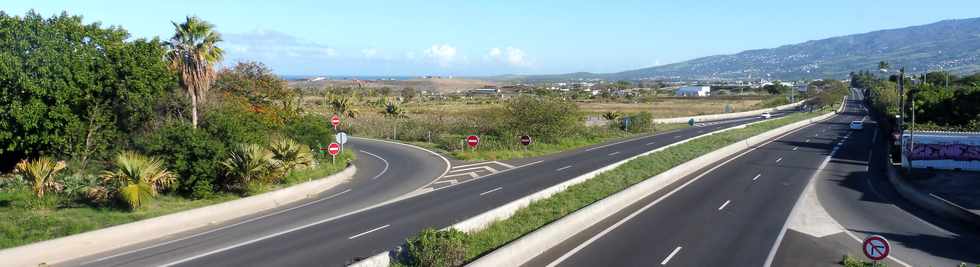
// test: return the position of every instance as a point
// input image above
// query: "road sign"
(335, 120)
(333, 149)
(525, 140)
(472, 141)
(341, 138)
(876, 247)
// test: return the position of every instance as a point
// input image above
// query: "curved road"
(326, 233)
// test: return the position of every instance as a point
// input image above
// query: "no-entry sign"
(876, 247)
(335, 120)
(472, 141)
(525, 140)
(333, 149)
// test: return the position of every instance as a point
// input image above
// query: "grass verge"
(545, 211)
(25, 225)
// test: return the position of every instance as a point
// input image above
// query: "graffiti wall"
(941, 150)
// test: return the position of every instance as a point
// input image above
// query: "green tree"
(193, 52)
(137, 178)
(76, 104)
(547, 119)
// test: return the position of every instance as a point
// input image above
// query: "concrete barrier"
(89, 243)
(531, 245)
(929, 201)
(725, 116)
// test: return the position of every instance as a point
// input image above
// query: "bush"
(310, 129)
(639, 122)
(24, 198)
(233, 124)
(194, 155)
(438, 248)
(547, 119)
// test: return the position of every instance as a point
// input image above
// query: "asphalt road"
(856, 193)
(730, 214)
(324, 234)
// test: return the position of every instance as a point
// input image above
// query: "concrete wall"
(941, 150)
(89, 243)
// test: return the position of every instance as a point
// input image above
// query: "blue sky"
(468, 38)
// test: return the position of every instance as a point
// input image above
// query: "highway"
(730, 214)
(324, 232)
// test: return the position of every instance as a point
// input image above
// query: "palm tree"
(193, 53)
(248, 163)
(40, 173)
(289, 154)
(137, 178)
(883, 66)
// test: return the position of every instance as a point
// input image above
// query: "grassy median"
(545, 211)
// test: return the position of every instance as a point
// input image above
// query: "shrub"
(639, 122)
(190, 153)
(287, 155)
(41, 173)
(310, 129)
(233, 124)
(137, 178)
(438, 248)
(247, 163)
(77, 188)
(547, 119)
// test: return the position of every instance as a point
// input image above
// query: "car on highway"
(766, 115)
(857, 125)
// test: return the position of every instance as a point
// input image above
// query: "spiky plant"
(611, 115)
(289, 155)
(41, 173)
(137, 178)
(247, 163)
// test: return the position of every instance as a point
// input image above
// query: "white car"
(857, 125)
(766, 115)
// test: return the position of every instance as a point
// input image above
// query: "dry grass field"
(671, 107)
(435, 84)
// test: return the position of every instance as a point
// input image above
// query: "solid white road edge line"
(665, 196)
(491, 191)
(664, 262)
(382, 160)
(215, 230)
(368, 232)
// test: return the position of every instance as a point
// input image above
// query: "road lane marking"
(701, 131)
(665, 196)
(677, 136)
(471, 174)
(807, 141)
(491, 191)
(756, 177)
(368, 232)
(616, 143)
(651, 143)
(724, 204)
(795, 148)
(216, 229)
(563, 168)
(382, 160)
(779, 159)
(614, 153)
(492, 170)
(664, 262)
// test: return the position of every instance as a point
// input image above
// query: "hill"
(951, 44)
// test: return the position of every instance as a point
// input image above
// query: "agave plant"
(40, 173)
(289, 154)
(137, 178)
(247, 163)
(611, 115)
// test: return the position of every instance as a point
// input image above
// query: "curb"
(102, 240)
(929, 201)
(520, 251)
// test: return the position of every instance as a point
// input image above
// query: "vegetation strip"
(545, 211)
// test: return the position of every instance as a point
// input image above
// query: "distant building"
(485, 91)
(694, 91)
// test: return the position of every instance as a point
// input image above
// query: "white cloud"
(444, 54)
(263, 44)
(330, 52)
(410, 55)
(369, 52)
(510, 55)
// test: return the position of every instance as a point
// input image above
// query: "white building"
(694, 91)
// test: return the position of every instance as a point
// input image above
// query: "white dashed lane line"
(756, 177)
(614, 153)
(491, 191)
(672, 254)
(724, 204)
(563, 168)
(368, 232)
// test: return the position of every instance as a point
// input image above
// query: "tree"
(137, 178)
(883, 66)
(40, 174)
(193, 52)
(74, 90)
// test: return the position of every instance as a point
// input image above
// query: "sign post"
(875, 248)
(333, 149)
(472, 141)
(525, 140)
(335, 120)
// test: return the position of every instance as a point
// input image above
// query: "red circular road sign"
(472, 140)
(525, 140)
(333, 149)
(335, 120)
(876, 247)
